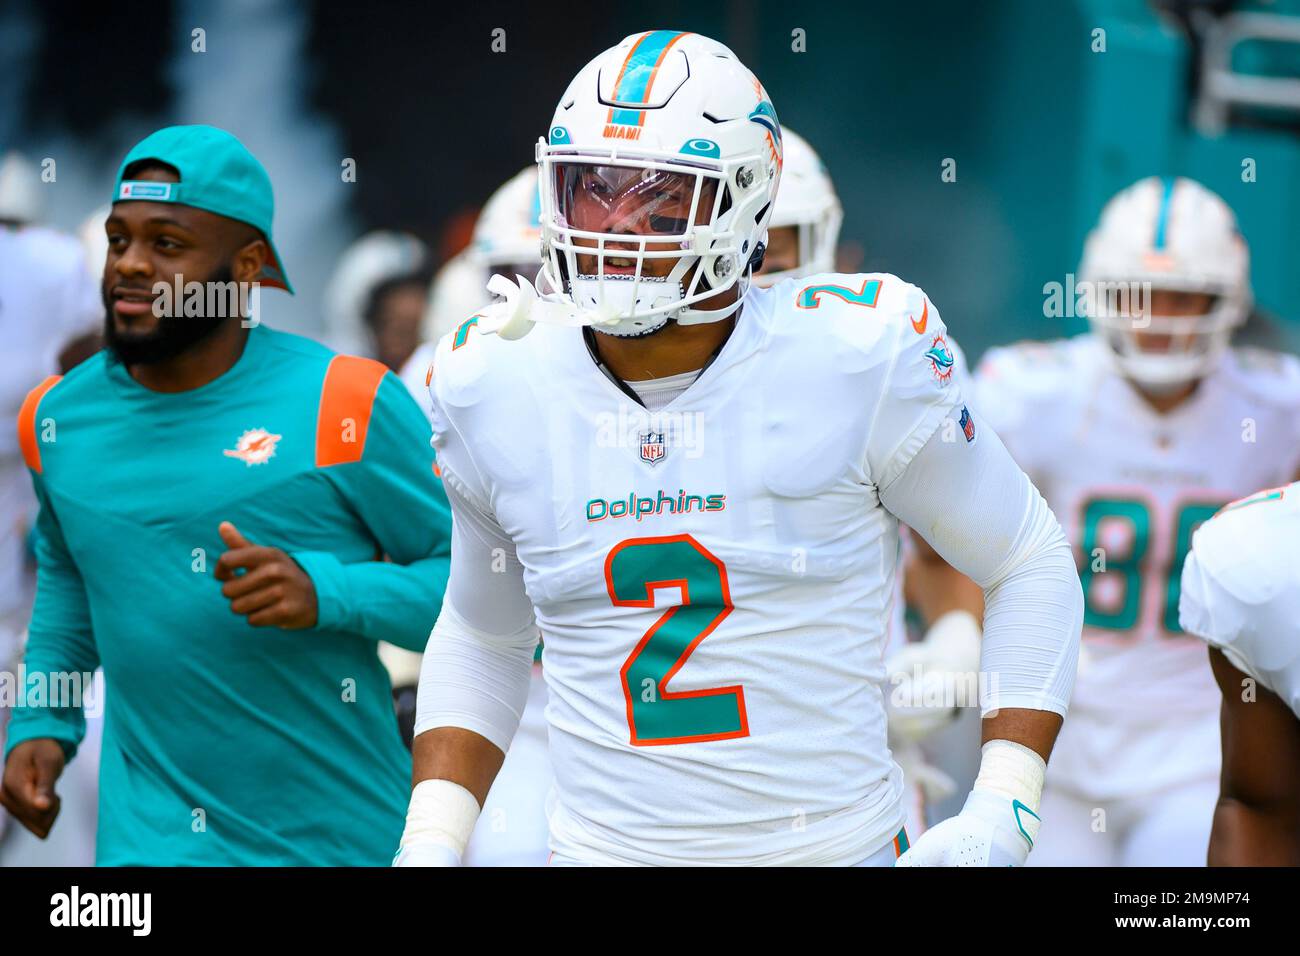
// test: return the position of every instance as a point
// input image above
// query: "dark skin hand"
(1257, 820)
(151, 242)
(27, 790)
(273, 591)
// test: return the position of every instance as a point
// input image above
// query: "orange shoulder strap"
(346, 401)
(27, 423)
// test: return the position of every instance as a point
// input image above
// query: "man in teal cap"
(231, 519)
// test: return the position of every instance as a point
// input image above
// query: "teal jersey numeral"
(810, 296)
(1130, 563)
(1122, 615)
(634, 571)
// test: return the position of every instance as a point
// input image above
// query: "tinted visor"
(630, 200)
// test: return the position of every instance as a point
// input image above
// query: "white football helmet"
(1166, 235)
(664, 147)
(809, 204)
(507, 239)
(507, 233)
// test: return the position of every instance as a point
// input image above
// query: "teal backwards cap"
(217, 173)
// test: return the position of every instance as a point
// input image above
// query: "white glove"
(925, 674)
(999, 822)
(426, 854)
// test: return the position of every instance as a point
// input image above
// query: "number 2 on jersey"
(810, 297)
(634, 570)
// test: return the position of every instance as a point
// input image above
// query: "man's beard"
(172, 336)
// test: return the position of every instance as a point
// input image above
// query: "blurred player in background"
(1136, 432)
(49, 301)
(394, 315)
(243, 515)
(714, 622)
(371, 305)
(1241, 595)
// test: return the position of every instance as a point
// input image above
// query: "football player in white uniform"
(692, 487)
(1241, 595)
(1136, 432)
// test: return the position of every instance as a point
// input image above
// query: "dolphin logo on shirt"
(255, 447)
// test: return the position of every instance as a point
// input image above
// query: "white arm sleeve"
(983, 516)
(478, 661)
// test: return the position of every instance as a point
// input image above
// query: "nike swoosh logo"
(1016, 807)
(925, 317)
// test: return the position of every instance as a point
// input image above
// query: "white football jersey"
(46, 297)
(1130, 486)
(1241, 588)
(712, 581)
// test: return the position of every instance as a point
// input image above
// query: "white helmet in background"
(20, 188)
(666, 139)
(808, 204)
(507, 233)
(372, 259)
(1166, 234)
(507, 239)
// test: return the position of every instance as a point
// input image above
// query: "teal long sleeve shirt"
(225, 743)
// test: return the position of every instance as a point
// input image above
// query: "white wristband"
(441, 814)
(1015, 772)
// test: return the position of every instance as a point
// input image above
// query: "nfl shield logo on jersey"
(967, 424)
(652, 447)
